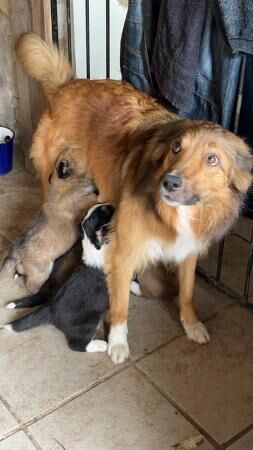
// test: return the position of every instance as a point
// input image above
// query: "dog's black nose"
(172, 182)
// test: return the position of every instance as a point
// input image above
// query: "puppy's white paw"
(118, 352)
(135, 288)
(118, 349)
(196, 332)
(11, 305)
(7, 327)
(96, 345)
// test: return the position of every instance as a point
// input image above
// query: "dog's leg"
(194, 329)
(119, 281)
(120, 266)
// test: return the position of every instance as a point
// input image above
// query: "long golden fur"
(130, 145)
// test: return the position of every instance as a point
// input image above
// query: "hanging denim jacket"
(217, 73)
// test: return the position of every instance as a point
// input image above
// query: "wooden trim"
(27, 16)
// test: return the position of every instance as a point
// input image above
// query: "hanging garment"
(236, 17)
(212, 89)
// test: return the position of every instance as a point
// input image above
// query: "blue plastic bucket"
(6, 150)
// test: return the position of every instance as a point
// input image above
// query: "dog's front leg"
(122, 258)
(194, 329)
(119, 280)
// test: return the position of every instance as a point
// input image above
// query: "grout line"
(19, 427)
(32, 439)
(182, 335)
(180, 410)
(22, 426)
(238, 436)
(2, 235)
(138, 358)
(77, 394)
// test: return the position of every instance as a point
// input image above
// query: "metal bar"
(223, 288)
(54, 22)
(87, 19)
(248, 271)
(241, 237)
(220, 260)
(107, 38)
(68, 7)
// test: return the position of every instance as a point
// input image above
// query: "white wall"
(97, 37)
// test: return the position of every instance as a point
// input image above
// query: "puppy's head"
(95, 225)
(196, 164)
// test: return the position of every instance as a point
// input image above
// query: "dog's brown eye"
(64, 169)
(212, 160)
(176, 147)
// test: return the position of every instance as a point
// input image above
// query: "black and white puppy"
(78, 306)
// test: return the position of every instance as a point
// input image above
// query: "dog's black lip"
(192, 201)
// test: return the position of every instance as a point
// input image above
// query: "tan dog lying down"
(177, 185)
(56, 228)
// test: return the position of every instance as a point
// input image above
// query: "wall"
(97, 37)
(8, 96)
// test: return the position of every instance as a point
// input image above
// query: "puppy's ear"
(89, 227)
(93, 224)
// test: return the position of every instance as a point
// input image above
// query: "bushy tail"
(39, 317)
(44, 62)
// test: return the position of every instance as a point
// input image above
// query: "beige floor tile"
(208, 300)
(18, 441)
(18, 179)
(7, 421)
(236, 253)
(245, 443)
(151, 323)
(39, 370)
(154, 322)
(124, 412)
(213, 383)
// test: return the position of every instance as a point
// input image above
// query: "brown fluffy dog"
(177, 184)
(55, 229)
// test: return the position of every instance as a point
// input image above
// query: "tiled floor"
(171, 394)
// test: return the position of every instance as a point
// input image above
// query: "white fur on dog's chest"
(184, 244)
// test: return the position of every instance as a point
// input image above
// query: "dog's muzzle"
(175, 191)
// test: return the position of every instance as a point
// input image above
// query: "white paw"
(118, 349)
(11, 305)
(135, 288)
(118, 352)
(96, 345)
(196, 332)
(7, 327)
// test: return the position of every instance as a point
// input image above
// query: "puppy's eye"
(175, 147)
(212, 159)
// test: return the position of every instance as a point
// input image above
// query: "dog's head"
(96, 226)
(70, 184)
(192, 163)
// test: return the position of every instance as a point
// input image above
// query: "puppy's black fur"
(78, 306)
